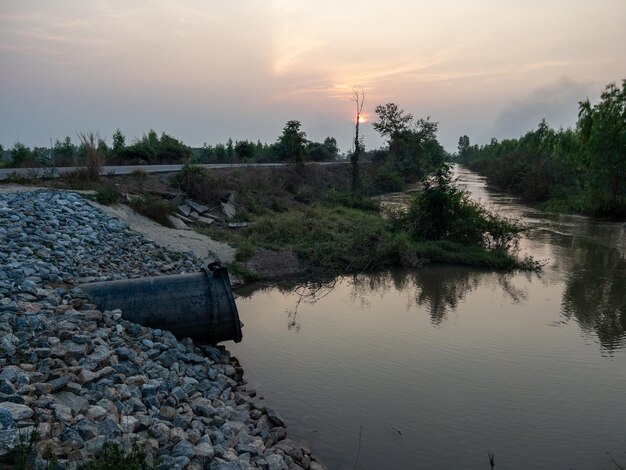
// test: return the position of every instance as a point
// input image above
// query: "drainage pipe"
(196, 305)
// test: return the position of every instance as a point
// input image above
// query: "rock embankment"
(82, 377)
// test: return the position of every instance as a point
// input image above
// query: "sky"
(207, 70)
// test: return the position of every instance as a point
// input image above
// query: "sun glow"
(362, 118)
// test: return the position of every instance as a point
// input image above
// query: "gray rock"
(275, 417)
(96, 413)
(129, 424)
(18, 412)
(184, 449)
(177, 222)
(204, 450)
(291, 448)
(94, 446)
(205, 220)
(184, 209)
(276, 462)
(75, 402)
(6, 387)
(199, 208)
(252, 444)
(6, 420)
(62, 413)
(59, 383)
(168, 413)
(228, 209)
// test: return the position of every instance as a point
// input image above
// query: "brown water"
(437, 367)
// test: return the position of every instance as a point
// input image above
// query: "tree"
(359, 100)
(20, 154)
(64, 152)
(323, 152)
(245, 150)
(330, 144)
(230, 151)
(220, 152)
(413, 148)
(602, 130)
(392, 120)
(119, 141)
(291, 145)
(464, 146)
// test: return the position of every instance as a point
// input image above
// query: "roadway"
(6, 173)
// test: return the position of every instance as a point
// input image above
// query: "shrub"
(153, 207)
(388, 180)
(139, 174)
(108, 194)
(199, 184)
(442, 211)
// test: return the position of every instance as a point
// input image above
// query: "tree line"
(581, 170)
(291, 145)
(411, 152)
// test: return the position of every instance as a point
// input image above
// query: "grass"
(334, 239)
(334, 231)
(111, 457)
(108, 194)
(154, 207)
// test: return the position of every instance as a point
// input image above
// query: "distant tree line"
(579, 170)
(412, 150)
(291, 146)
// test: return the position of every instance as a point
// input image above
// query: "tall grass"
(95, 155)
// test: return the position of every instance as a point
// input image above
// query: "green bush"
(388, 180)
(108, 194)
(442, 211)
(153, 207)
(199, 184)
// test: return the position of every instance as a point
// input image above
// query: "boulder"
(199, 208)
(184, 209)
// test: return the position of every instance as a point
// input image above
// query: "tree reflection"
(439, 289)
(595, 294)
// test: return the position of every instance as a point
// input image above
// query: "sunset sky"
(207, 70)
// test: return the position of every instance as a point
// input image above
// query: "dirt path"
(202, 246)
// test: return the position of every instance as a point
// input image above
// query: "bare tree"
(358, 99)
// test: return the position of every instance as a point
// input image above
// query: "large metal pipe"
(196, 305)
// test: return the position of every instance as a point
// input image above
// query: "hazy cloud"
(557, 103)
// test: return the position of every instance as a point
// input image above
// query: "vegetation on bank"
(336, 231)
(581, 170)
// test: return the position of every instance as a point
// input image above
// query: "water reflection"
(595, 294)
(436, 289)
(585, 254)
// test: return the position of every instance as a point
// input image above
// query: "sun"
(362, 118)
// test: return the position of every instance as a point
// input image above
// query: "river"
(441, 366)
